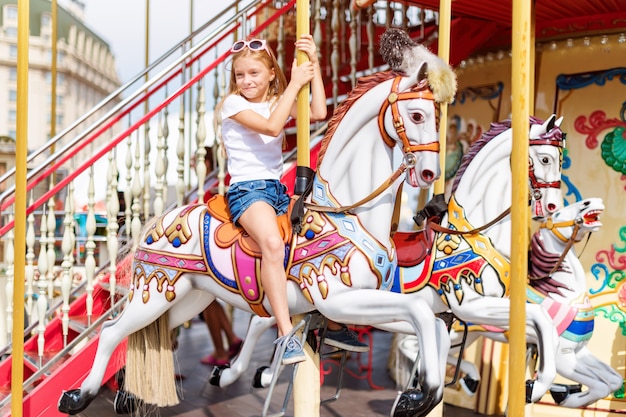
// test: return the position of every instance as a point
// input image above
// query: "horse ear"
(413, 79)
(558, 122)
(539, 129)
(422, 72)
(551, 121)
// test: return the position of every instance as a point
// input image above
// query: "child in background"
(220, 326)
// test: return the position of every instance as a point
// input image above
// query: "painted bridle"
(421, 90)
(553, 137)
(553, 227)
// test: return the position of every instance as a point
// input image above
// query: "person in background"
(220, 327)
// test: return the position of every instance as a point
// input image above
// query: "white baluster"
(113, 208)
(159, 170)
(136, 190)
(200, 142)
(180, 153)
(72, 209)
(30, 260)
(90, 245)
(128, 193)
(66, 265)
(334, 55)
(52, 257)
(9, 286)
(42, 287)
(166, 134)
(146, 171)
(352, 42)
(370, 36)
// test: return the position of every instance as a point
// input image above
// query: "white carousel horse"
(466, 273)
(560, 288)
(337, 264)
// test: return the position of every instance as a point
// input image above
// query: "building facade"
(86, 71)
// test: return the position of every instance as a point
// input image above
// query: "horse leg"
(132, 319)
(494, 311)
(600, 379)
(223, 376)
(469, 382)
(384, 308)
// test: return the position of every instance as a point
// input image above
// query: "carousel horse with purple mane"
(557, 283)
(461, 263)
(340, 260)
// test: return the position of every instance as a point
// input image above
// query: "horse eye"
(417, 117)
(545, 160)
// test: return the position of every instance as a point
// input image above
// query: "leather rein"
(421, 90)
(553, 227)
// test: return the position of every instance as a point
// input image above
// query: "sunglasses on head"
(253, 45)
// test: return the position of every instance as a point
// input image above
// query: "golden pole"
(21, 150)
(306, 388)
(303, 120)
(519, 203)
(445, 14)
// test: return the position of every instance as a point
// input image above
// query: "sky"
(121, 23)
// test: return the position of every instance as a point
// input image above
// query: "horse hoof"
(125, 403)
(410, 403)
(216, 375)
(560, 392)
(71, 402)
(470, 385)
(529, 391)
(257, 382)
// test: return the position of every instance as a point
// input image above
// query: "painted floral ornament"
(613, 149)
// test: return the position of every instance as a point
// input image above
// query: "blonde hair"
(266, 56)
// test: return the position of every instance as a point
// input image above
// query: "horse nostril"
(551, 207)
(428, 175)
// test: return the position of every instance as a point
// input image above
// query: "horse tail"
(150, 373)
(150, 364)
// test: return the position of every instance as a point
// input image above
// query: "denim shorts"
(241, 195)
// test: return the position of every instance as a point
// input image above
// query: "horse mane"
(364, 84)
(495, 129)
(540, 264)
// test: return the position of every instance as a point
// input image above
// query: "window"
(12, 116)
(12, 74)
(12, 96)
(13, 51)
(46, 20)
(11, 32)
(11, 12)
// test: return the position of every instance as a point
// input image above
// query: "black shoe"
(345, 339)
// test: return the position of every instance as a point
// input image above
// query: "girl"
(254, 112)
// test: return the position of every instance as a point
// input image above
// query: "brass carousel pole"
(445, 14)
(17, 354)
(443, 49)
(520, 102)
(303, 122)
(306, 392)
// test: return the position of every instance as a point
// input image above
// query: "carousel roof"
(482, 26)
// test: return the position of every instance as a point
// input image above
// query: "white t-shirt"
(251, 155)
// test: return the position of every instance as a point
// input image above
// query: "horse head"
(576, 220)
(546, 142)
(409, 118)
